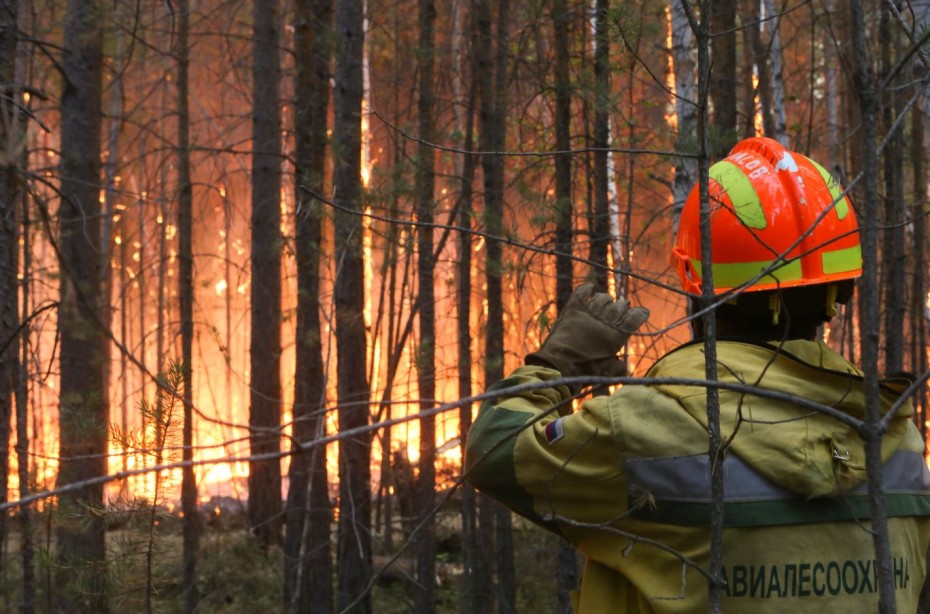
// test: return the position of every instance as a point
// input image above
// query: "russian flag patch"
(555, 431)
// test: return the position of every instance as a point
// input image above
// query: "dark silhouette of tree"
(83, 399)
(600, 225)
(12, 158)
(723, 81)
(308, 564)
(567, 566)
(425, 599)
(265, 388)
(492, 86)
(894, 258)
(474, 556)
(354, 537)
(191, 529)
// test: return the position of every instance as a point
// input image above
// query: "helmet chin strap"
(831, 300)
(775, 307)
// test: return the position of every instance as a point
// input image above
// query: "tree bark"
(265, 349)
(83, 405)
(566, 567)
(474, 558)
(601, 224)
(686, 109)
(894, 259)
(723, 83)
(191, 528)
(492, 83)
(12, 135)
(354, 539)
(426, 353)
(308, 549)
(867, 293)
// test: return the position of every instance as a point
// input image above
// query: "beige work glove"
(588, 334)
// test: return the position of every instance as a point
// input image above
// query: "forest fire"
(255, 281)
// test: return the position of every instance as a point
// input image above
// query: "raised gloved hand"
(588, 334)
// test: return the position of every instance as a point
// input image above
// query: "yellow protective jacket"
(626, 480)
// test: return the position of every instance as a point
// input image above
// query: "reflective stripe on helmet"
(735, 274)
(739, 188)
(842, 205)
(842, 260)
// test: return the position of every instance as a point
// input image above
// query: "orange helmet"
(776, 215)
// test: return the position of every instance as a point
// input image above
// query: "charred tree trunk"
(723, 83)
(191, 529)
(265, 387)
(426, 353)
(308, 564)
(354, 539)
(83, 406)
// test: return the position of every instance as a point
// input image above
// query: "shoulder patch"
(555, 431)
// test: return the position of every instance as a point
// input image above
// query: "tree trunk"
(191, 529)
(474, 558)
(600, 225)
(493, 61)
(723, 84)
(426, 352)
(563, 161)
(566, 568)
(307, 549)
(83, 406)
(867, 293)
(894, 259)
(265, 352)
(12, 134)
(777, 84)
(716, 451)
(354, 540)
(686, 109)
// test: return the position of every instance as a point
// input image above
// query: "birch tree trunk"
(602, 224)
(686, 107)
(354, 531)
(308, 563)
(777, 84)
(83, 406)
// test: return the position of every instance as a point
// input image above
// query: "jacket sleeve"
(553, 466)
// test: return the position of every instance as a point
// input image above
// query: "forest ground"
(236, 576)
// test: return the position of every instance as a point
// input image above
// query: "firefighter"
(626, 477)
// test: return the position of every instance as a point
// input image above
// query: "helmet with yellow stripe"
(778, 220)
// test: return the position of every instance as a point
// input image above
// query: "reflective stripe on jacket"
(626, 480)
